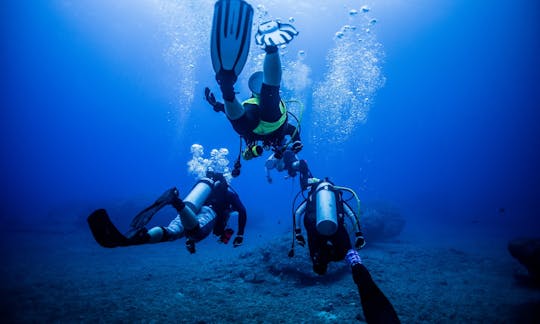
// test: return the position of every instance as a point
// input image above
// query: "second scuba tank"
(326, 209)
(198, 195)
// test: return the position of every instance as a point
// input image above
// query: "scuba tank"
(198, 195)
(326, 210)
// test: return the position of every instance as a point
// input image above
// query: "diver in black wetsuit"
(324, 212)
(204, 210)
(263, 117)
(287, 160)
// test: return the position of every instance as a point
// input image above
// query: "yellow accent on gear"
(264, 127)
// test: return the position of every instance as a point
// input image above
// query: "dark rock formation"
(381, 222)
(527, 252)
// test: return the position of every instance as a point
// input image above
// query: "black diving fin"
(231, 35)
(104, 231)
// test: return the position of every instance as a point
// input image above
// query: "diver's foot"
(269, 49)
(168, 197)
(190, 245)
(140, 236)
(226, 80)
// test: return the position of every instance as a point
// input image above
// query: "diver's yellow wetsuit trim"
(264, 127)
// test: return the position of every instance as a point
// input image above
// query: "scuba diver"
(324, 210)
(262, 120)
(288, 160)
(206, 209)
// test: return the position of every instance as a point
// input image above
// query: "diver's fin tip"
(104, 231)
(231, 35)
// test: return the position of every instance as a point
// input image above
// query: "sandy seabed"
(63, 278)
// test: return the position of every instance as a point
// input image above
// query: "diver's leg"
(318, 251)
(207, 221)
(173, 231)
(341, 243)
(272, 66)
(269, 97)
(188, 218)
(233, 109)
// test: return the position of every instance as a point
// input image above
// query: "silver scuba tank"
(198, 195)
(326, 209)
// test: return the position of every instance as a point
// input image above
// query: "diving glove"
(190, 245)
(360, 241)
(238, 240)
(297, 146)
(218, 106)
(226, 236)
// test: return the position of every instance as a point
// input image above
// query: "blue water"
(101, 102)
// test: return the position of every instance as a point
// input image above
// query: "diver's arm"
(360, 241)
(269, 165)
(352, 216)
(300, 211)
(233, 109)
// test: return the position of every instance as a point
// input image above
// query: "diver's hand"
(299, 238)
(297, 146)
(190, 245)
(226, 236)
(238, 240)
(210, 96)
(360, 241)
(218, 106)
(269, 179)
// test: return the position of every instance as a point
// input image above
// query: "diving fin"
(143, 217)
(104, 231)
(231, 35)
(274, 33)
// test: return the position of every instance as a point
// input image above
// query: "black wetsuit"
(289, 159)
(268, 111)
(322, 248)
(223, 203)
